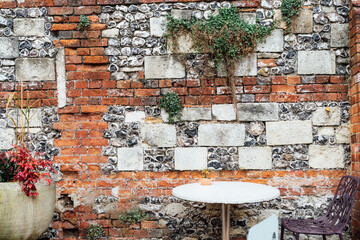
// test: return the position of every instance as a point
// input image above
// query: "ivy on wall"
(289, 9)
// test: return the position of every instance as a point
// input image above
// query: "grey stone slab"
(223, 112)
(7, 138)
(136, 116)
(258, 112)
(35, 69)
(157, 26)
(190, 158)
(130, 159)
(316, 62)
(27, 27)
(181, 14)
(339, 35)
(110, 33)
(159, 135)
(246, 66)
(163, 67)
(326, 157)
(289, 132)
(183, 44)
(61, 77)
(326, 116)
(273, 43)
(342, 134)
(34, 116)
(255, 158)
(219, 134)
(9, 47)
(196, 113)
(304, 22)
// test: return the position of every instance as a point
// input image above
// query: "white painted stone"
(223, 112)
(258, 112)
(159, 135)
(316, 62)
(255, 158)
(136, 116)
(9, 47)
(35, 69)
(130, 159)
(26, 27)
(61, 77)
(342, 133)
(163, 67)
(34, 116)
(157, 26)
(7, 138)
(326, 156)
(273, 43)
(326, 131)
(190, 158)
(196, 113)
(323, 117)
(289, 132)
(339, 35)
(304, 22)
(110, 33)
(219, 134)
(246, 66)
(174, 209)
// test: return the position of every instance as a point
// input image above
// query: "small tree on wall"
(226, 38)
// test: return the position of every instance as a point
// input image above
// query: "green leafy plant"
(226, 37)
(144, 81)
(132, 216)
(94, 232)
(171, 102)
(7, 168)
(205, 173)
(83, 23)
(289, 9)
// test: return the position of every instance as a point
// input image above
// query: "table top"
(226, 192)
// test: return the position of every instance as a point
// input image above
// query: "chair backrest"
(339, 210)
(265, 230)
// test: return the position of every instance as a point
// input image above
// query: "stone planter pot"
(22, 217)
(205, 181)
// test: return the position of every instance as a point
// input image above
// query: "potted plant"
(27, 194)
(205, 177)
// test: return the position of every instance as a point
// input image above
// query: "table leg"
(225, 216)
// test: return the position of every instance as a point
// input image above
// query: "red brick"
(60, 10)
(309, 88)
(63, 27)
(293, 80)
(87, 10)
(93, 109)
(146, 92)
(95, 59)
(94, 42)
(97, 75)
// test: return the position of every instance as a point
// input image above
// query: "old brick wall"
(113, 146)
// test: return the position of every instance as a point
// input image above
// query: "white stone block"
(181, 14)
(339, 35)
(34, 117)
(289, 132)
(326, 131)
(219, 134)
(130, 159)
(35, 69)
(304, 22)
(26, 27)
(9, 47)
(157, 26)
(196, 113)
(110, 33)
(273, 43)
(224, 112)
(61, 77)
(255, 158)
(342, 134)
(7, 138)
(316, 62)
(163, 67)
(248, 17)
(258, 112)
(183, 44)
(246, 66)
(159, 135)
(136, 116)
(190, 158)
(326, 156)
(324, 116)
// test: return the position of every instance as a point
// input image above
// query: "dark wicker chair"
(336, 217)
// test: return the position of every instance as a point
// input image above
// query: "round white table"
(226, 193)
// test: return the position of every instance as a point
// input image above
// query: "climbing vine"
(289, 9)
(171, 103)
(226, 37)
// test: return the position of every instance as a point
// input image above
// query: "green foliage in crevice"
(132, 216)
(94, 232)
(83, 23)
(289, 9)
(171, 103)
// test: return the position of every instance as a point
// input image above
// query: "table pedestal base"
(225, 217)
